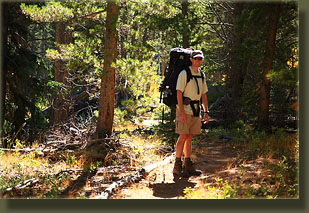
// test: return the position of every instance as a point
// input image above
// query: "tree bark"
(123, 30)
(268, 63)
(18, 83)
(237, 39)
(234, 75)
(107, 91)
(4, 28)
(185, 31)
(61, 104)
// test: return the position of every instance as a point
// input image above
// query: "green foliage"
(212, 97)
(17, 168)
(120, 116)
(95, 165)
(139, 84)
(166, 131)
(278, 152)
(251, 29)
(7, 128)
(26, 85)
(278, 144)
(52, 11)
(147, 31)
(221, 190)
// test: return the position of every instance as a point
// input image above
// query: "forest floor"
(140, 167)
(214, 159)
(225, 173)
(211, 158)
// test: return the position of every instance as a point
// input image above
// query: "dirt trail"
(209, 157)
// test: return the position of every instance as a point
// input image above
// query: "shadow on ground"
(77, 185)
(171, 190)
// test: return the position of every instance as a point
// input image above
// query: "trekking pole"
(163, 107)
(163, 115)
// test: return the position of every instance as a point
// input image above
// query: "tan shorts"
(192, 124)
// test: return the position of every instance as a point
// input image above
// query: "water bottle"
(166, 92)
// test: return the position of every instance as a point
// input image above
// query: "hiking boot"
(177, 168)
(188, 169)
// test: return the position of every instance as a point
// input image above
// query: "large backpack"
(179, 60)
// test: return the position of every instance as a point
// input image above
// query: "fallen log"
(116, 185)
(70, 171)
(137, 176)
(17, 150)
(163, 148)
(31, 182)
(153, 166)
(38, 151)
(27, 183)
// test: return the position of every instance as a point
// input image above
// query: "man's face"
(197, 62)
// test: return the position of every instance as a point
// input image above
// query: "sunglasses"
(198, 58)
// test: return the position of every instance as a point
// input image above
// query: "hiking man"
(188, 119)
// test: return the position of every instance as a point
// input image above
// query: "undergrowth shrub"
(221, 190)
(279, 152)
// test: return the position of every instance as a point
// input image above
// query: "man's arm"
(205, 107)
(180, 105)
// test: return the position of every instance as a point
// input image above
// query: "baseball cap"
(197, 53)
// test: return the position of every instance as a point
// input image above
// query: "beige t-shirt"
(190, 89)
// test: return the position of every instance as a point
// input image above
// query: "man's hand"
(206, 118)
(182, 117)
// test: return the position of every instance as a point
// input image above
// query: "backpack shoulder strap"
(202, 75)
(189, 74)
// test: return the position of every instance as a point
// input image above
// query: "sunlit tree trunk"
(107, 91)
(268, 63)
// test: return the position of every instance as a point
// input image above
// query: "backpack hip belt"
(195, 106)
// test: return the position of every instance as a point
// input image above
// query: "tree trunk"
(235, 76)
(4, 28)
(185, 28)
(19, 81)
(235, 72)
(61, 104)
(123, 30)
(107, 91)
(163, 67)
(268, 63)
